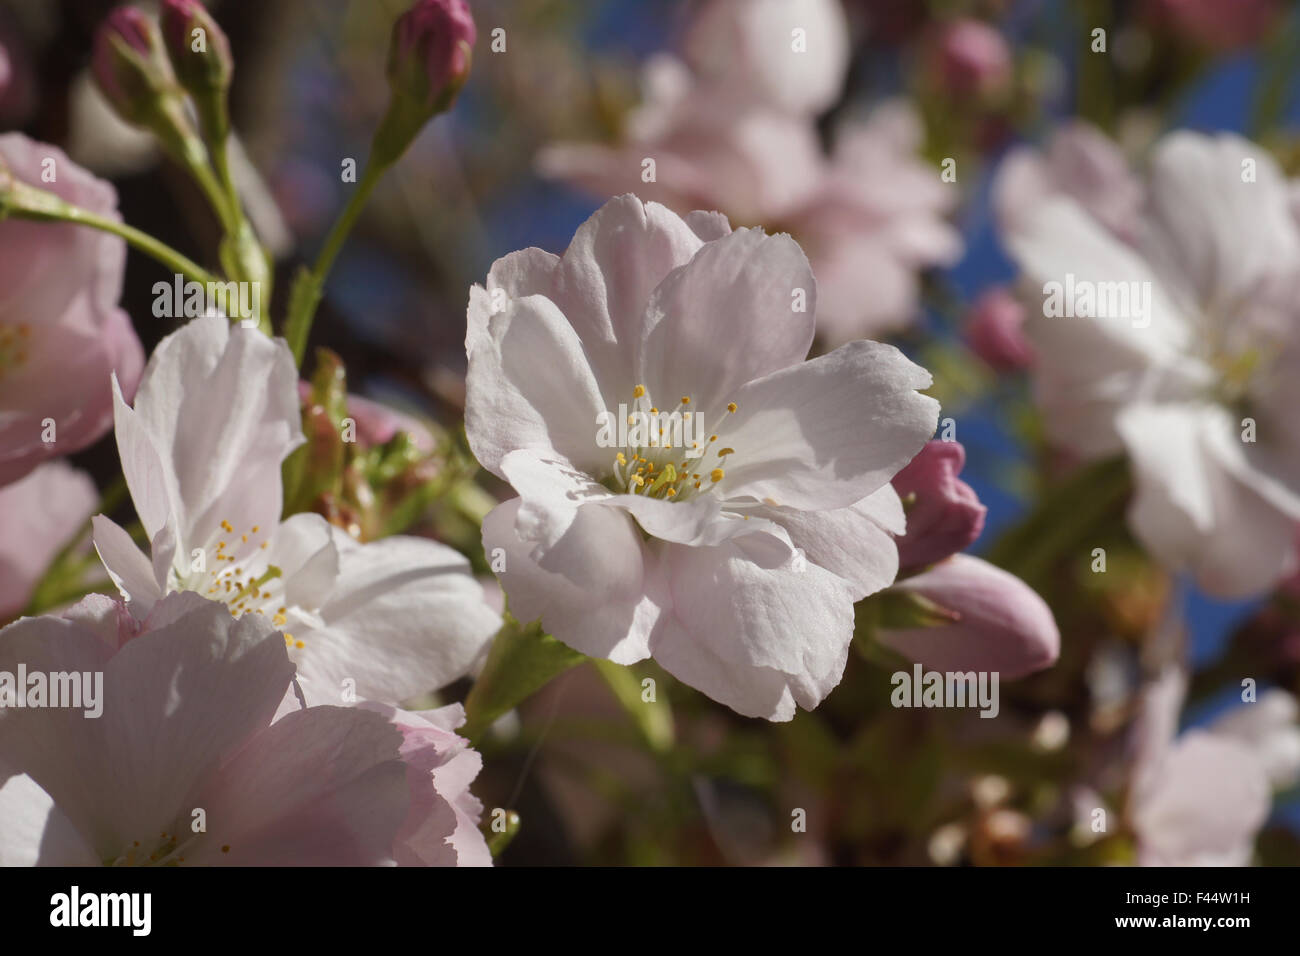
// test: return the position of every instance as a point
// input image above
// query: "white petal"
(529, 385)
(597, 599)
(828, 432)
(741, 288)
(127, 565)
(753, 627)
(405, 617)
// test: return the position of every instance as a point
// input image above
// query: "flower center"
(667, 455)
(14, 340)
(247, 585)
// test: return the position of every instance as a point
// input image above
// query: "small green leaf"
(522, 660)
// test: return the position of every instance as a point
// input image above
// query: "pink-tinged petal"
(1002, 624)
(176, 702)
(1194, 511)
(35, 831)
(828, 432)
(744, 287)
(39, 514)
(945, 515)
(220, 406)
(128, 567)
(856, 543)
(1080, 162)
(605, 278)
(1219, 231)
(753, 626)
(1201, 806)
(530, 384)
(698, 521)
(404, 617)
(597, 598)
(441, 827)
(63, 334)
(324, 786)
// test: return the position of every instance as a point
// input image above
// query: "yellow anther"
(716, 474)
(726, 451)
(686, 399)
(621, 458)
(638, 392)
(227, 526)
(672, 492)
(731, 406)
(713, 438)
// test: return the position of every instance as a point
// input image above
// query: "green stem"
(308, 288)
(146, 243)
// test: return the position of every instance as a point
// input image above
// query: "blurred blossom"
(944, 515)
(969, 58)
(1002, 625)
(791, 55)
(1268, 727)
(1080, 162)
(193, 701)
(1217, 24)
(995, 331)
(1192, 372)
(870, 215)
(38, 516)
(713, 554)
(398, 616)
(61, 332)
(1197, 799)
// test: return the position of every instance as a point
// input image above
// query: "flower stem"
(146, 243)
(309, 286)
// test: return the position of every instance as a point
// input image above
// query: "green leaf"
(522, 660)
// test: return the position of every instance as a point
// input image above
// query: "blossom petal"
(828, 432)
(596, 597)
(740, 288)
(405, 617)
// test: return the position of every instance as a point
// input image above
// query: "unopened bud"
(200, 54)
(131, 67)
(428, 62)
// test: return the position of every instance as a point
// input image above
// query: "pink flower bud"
(1002, 625)
(945, 515)
(198, 47)
(429, 58)
(995, 330)
(428, 63)
(970, 58)
(130, 66)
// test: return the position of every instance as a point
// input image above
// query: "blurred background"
(879, 786)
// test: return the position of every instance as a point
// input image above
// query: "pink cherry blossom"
(734, 560)
(38, 516)
(1196, 381)
(61, 332)
(190, 698)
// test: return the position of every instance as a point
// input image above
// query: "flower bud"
(970, 58)
(945, 514)
(131, 67)
(428, 62)
(995, 331)
(1001, 625)
(200, 55)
